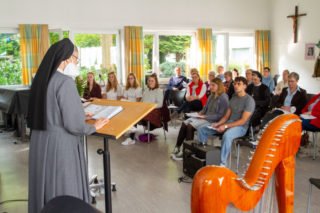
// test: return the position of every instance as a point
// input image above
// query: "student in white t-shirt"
(113, 90)
(132, 91)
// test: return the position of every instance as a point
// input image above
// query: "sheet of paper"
(308, 117)
(193, 115)
(100, 111)
(210, 127)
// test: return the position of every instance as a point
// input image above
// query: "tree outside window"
(10, 61)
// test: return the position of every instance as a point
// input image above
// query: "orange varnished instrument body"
(214, 188)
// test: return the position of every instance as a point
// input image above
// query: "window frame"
(227, 44)
(155, 51)
(120, 76)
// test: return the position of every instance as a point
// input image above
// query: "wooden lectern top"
(132, 113)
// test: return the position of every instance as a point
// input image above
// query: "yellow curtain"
(133, 43)
(262, 41)
(206, 50)
(34, 42)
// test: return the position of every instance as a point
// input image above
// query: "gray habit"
(56, 158)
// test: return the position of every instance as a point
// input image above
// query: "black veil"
(37, 109)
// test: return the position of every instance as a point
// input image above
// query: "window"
(233, 51)
(57, 34)
(241, 53)
(164, 51)
(98, 53)
(10, 61)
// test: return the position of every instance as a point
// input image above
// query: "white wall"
(286, 54)
(114, 14)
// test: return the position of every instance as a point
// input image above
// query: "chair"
(314, 141)
(177, 97)
(68, 204)
(275, 79)
(316, 183)
(164, 117)
(314, 133)
(247, 140)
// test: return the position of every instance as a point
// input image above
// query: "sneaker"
(128, 141)
(178, 156)
(176, 150)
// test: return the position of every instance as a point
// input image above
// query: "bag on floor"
(144, 137)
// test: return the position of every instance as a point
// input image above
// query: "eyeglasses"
(77, 58)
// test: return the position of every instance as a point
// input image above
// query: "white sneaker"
(178, 157)
(128, 141)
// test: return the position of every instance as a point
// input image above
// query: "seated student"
(211, 76)
(216, 107)
(196, 94)
(133, 93)
(113, 90)
(261, 96)
(312, 108)
(153, 94)
(282, 84)
(249, 76)
(234, 123)
(177, 82)
(228, 84)
(267, 79)
(92, 90)
(235, 73)
(221, 73)
(292, 100)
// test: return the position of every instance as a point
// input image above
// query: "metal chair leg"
(314, 137)
(309, 198)
(148, 131)
(238, 158)
(230, 156)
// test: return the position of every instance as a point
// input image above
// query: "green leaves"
(10, 72)
(87, 40)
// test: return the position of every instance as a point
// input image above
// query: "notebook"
(100, 111)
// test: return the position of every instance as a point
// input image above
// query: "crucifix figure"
(295, 23)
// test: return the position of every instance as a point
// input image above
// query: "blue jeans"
(306, 125)
(227, 139)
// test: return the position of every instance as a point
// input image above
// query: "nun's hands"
(100, 123)
(89, 115)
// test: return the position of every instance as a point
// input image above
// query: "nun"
(57, 121)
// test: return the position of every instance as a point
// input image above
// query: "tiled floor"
(145, 175)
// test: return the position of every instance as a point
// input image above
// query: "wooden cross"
(295, 23)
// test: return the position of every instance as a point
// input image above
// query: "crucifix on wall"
(295, 23)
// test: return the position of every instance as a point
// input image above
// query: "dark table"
(14, 101)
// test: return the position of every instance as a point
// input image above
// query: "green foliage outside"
(173, 44)
(148, 45)
(10, 62)
(167, 68)
(177, 45)
(54, 37)
(87, 40)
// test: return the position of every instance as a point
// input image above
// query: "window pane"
(54, 37)
(173, 51)
(219, 51)
(241, 53)
(97, 53)
(10, 61)
(148, 51)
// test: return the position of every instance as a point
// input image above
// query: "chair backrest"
(309, 96)
(178, 96)
(68, 204)
(275, 79)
